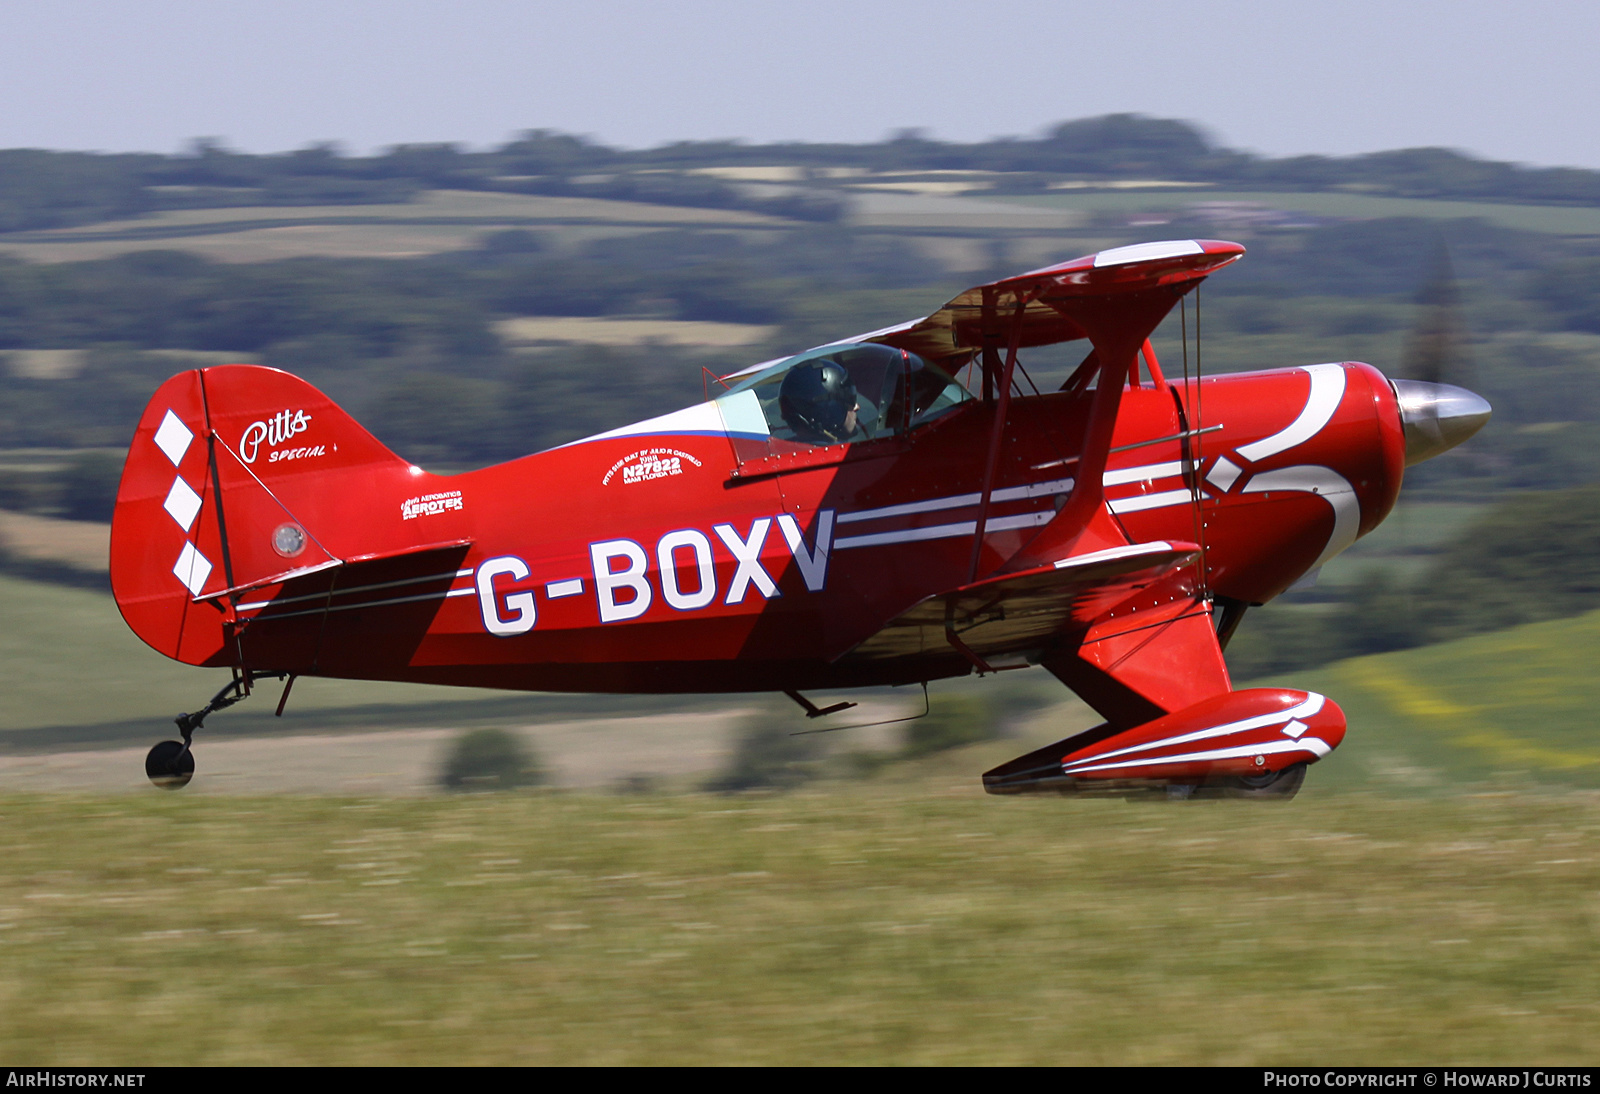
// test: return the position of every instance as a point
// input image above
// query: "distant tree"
(490, 759)
(1125, 142)
(768, 756)
(87, 486)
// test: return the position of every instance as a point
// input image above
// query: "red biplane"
(850, 516)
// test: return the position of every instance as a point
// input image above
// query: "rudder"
(239, 474)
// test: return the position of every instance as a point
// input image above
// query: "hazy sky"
(1509, 81)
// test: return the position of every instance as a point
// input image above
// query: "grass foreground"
(909, 921)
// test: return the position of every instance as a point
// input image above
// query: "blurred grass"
(915, 922)
(1433, 895)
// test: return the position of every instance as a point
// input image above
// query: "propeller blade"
(1436, 348)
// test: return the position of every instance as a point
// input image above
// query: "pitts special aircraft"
(850, 516)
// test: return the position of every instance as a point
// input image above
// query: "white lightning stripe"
(957, 501)
(346, 592)
(1312, 704)
(1032, 490)
(1142, 474)
(1150, 501)
(371, 604)
(930, 506)
(1314, 745)
(1327, 390)
(558, 589)
(1114, 552)
(946, 531)
(1327, 484)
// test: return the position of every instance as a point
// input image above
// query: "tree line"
(385, 336)
(42, 189)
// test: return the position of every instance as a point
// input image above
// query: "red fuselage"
(663, 558)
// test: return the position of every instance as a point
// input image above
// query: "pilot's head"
(818, 401)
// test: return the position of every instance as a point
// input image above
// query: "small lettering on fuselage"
(428, 505)
(649, 464)
(685, 574)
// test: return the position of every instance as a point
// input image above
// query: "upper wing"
(984, 313)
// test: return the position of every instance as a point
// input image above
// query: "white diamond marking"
(173, 438)
(1224, 473)
(182, 503)
(1295, 729)
(192, 569)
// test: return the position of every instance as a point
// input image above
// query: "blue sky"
(1507, 81)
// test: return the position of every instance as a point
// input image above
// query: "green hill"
(1517, 705)
(76, 676)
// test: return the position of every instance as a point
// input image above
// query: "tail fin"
(238, 477)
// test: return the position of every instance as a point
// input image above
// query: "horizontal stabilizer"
(1022, 611)
(294, 575)
(321, 621)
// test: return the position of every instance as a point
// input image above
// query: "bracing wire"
(1200, 452)
(1188, 426)
(1026, 377)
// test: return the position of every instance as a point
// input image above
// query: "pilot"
(818, 401)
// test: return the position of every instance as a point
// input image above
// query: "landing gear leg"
(170, 764)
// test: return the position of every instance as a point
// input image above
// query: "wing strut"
(997, 434)
(1118, 325)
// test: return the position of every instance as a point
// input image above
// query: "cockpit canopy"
(841, 395)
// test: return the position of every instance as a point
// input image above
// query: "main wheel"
(1272, 785)
(170, 765)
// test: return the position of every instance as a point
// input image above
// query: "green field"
(1405, 544)
(1515, 707)
(914, 923)
(1432, 896)
(76, 676)
(71, 661)
(439, 220)
(1553, 219)
(1046, 227)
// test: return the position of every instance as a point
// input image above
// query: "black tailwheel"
(170, 765)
